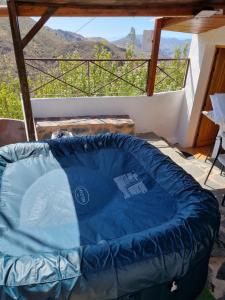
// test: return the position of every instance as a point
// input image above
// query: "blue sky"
(109, 28)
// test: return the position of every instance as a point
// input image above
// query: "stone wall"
(11, 131)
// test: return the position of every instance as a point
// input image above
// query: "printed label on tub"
(130, 185)
(82, 195)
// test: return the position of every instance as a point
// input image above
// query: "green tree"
(10, 104)
(95, 78)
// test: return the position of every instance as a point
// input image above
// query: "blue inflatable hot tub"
(102, 217)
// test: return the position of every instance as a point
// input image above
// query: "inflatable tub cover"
(101, 217)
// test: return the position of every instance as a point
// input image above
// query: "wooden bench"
(85, 125)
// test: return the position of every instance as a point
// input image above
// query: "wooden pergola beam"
(38, 25)
(72, 8)
(21, 67)
(154, 56)
(110, 8)
(71, 11)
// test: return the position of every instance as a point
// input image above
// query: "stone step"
(85, 125)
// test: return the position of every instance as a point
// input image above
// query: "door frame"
(217, 47)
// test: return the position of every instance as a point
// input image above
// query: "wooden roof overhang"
(115, 7)
(193, 24)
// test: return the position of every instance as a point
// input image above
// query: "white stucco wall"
(159, 113)
(202, 53)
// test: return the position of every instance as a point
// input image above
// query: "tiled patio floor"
(216, 183)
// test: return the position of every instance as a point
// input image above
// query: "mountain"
(169, 45)
(128, 39)
(142, 44)
(53, 43)
(69, 35)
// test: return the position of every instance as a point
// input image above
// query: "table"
(210, 116)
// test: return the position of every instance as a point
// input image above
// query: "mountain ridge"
(56, 42)
(167, 45)
(53, 43)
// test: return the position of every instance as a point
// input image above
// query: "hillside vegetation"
(100, 82)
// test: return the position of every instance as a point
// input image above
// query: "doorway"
(207, 130)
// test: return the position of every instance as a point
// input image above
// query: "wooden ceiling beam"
(70, 11)
(29, 9)
(116, 3)
(111, 8)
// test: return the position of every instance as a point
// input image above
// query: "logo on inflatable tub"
(81, 195)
